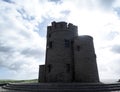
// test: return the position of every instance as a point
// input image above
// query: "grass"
(19, 81)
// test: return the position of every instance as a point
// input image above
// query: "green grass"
(19, 81)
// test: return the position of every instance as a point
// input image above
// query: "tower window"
(68, 67)
(49, 35)
(72, 42)
(50, 44)
(67, 43)
(61, 26)
(78, 48)
(49, 68)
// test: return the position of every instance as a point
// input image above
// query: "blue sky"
(23, 26)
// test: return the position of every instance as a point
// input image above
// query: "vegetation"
(19, 81)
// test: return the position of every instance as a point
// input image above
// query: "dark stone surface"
(62, 87)
(85, 60)
(64, 61)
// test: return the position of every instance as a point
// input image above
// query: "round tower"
(59, 53)
(85, 60)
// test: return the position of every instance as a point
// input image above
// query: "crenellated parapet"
(61, 26)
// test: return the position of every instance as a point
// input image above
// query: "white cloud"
(22, 49)
(22, 44)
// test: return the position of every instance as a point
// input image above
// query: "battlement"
(56, 26)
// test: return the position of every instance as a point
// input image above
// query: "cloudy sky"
(23, 33)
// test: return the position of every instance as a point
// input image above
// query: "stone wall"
(69, 57)
(59, 56)
(85, 60)
(41, 73)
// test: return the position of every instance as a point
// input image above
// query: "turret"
(85, 60)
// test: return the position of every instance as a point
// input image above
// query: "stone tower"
(69, 57)
(59, 56)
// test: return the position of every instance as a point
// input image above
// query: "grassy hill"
(19, 81)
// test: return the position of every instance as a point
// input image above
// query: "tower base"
(63, 87)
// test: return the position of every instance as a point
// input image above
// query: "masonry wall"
(59, 55)
(41, 73)
(85, 60)
(69, 57)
